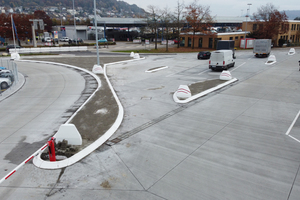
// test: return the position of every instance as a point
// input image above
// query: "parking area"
(230, 144)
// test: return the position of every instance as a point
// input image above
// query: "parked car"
(5, 70)
(4, 83)
(64, 39)
(204, 55)
(47, 39)
(102, 40)
(2, 67)
(12, 46)
(79, 40)
(7, 74)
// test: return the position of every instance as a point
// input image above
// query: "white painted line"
(294, 138)
(291, 126)
(203, 71)
(238, 66)
(171, 74)
(154, 70)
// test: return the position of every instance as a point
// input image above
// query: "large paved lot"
(231, 144)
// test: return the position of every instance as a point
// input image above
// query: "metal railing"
(12, 66)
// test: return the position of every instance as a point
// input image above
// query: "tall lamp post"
(95, 24)
(249, 4)
(75, 24)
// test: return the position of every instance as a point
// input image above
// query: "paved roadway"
(30, 116)
(231, 144)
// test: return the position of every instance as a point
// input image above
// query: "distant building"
(292, 36)
(223, 30)
(209, 40)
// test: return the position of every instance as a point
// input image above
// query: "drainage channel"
(146, 125)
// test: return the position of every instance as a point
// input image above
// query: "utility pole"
(35, 27)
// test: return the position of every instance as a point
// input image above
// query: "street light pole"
(249, 4)
(75, 24)
(95, 20)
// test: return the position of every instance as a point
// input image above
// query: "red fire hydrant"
(51, 149)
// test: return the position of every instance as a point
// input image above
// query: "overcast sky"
(222, 7)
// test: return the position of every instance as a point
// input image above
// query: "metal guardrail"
(48, 49)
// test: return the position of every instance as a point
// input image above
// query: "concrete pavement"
(230, 144)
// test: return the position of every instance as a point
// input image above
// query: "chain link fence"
(12, 74)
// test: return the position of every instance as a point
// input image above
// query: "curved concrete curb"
(6, 94)
(204, 92)
(37, 161)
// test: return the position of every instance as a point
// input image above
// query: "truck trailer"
(262, 47)
(226, 45)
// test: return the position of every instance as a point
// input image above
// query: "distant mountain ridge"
(292, 14)
(114, 5)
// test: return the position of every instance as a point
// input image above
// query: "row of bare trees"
(197, 18)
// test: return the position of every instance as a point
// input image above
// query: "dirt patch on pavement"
(198, 87)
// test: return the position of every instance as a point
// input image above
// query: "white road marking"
(294, 138)
(203, 71)
(290, 128)
(238, 66)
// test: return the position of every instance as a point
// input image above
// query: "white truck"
(262, 47)
(221, 60)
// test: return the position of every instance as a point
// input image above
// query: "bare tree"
(154, 20)
(179, 19)
(167, 19)
(270, 22)
(198, 18)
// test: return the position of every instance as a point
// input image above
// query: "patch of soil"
(198, 87)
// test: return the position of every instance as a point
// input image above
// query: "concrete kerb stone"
(37, 161)
(204, 92)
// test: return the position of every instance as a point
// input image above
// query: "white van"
(221, 60)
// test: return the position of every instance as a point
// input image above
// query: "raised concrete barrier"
(97, 69)
(183, 92)
(271, 60)
(49, 49)
(70, 133)
(136, 56)
(225, 75)
(292, 51)
(15, 56)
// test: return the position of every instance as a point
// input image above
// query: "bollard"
(51, 149)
